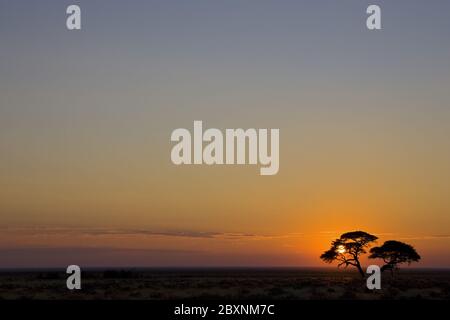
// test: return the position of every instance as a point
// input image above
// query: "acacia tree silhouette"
(394, 253)
(348, 248)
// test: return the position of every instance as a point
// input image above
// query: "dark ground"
(256, 284)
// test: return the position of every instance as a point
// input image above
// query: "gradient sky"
(86, 118)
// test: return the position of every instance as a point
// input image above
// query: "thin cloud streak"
(51, 231)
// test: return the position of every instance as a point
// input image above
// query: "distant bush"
(119, 274)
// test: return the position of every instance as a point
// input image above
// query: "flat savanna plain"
(230, 283)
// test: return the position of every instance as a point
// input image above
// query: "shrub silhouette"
(394, 253)
(348, 248)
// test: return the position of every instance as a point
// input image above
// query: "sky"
(86, 118)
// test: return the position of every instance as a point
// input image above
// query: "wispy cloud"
(78, 231)
(185, 233)
(426, 237)
(398, 236)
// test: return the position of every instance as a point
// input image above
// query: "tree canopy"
(394, 253)
(348, 248)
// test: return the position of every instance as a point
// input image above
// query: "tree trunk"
(361, 272)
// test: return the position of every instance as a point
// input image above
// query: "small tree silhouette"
(394, 253)
(348, 248)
